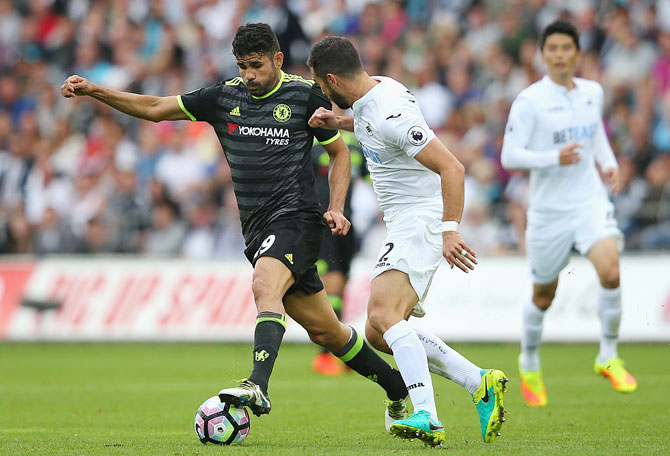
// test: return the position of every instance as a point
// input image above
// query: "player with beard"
(420, 188)
(261, 119)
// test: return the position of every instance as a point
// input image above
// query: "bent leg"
(315, 314)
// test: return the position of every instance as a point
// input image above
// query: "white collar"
(364, 99)
(561, 88)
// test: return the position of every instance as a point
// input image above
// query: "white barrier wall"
(485, 305)
(138, 299)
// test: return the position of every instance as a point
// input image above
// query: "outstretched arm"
(141, 106)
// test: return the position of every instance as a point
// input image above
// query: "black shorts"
(337, 252)
(294, 240)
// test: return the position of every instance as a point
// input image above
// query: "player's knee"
(610, 278)
(543, 300)
(385, 310)
(262, 289)
(375, 339)
(378, 319)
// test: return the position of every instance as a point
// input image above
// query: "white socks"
(609, 310)
(531, 336)
(448, 363)
(410, 357)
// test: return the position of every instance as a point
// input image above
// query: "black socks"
(270, 328)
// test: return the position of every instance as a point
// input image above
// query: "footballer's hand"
(76, 86)
(612, 180)
(323, 118)
(457, 252)
(569, 155)
(338, 223)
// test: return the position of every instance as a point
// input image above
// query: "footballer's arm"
(520, 125)
(325, 118)
(607, 160)
(339, 176)
(141, 106)
(436, 157)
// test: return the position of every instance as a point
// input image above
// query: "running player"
(555, 130)
(420, 187)
(261, 121)
(337, 252)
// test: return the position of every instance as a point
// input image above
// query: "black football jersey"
(267, 143)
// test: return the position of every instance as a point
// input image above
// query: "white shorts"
(413, 245)
(551, 236)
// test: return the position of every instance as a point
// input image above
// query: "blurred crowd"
(78, 177)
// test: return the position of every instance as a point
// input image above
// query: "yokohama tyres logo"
(273, 136)
(268, 132)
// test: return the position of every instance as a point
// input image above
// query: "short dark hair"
(562, 27)
(255, 39)
(335, 55)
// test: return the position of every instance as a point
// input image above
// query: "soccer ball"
(221, 423)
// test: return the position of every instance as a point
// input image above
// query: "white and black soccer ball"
(221, 423)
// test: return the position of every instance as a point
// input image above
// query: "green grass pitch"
(140, 399)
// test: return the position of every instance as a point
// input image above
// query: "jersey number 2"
(384, 257)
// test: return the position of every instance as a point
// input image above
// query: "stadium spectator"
(433, 98)
(167, 231)
(53, 236)
(19, 234)
(122, 212)
(481, 50)
(12, 100)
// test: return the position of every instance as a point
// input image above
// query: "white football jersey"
(546, 117)
(391, 129)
